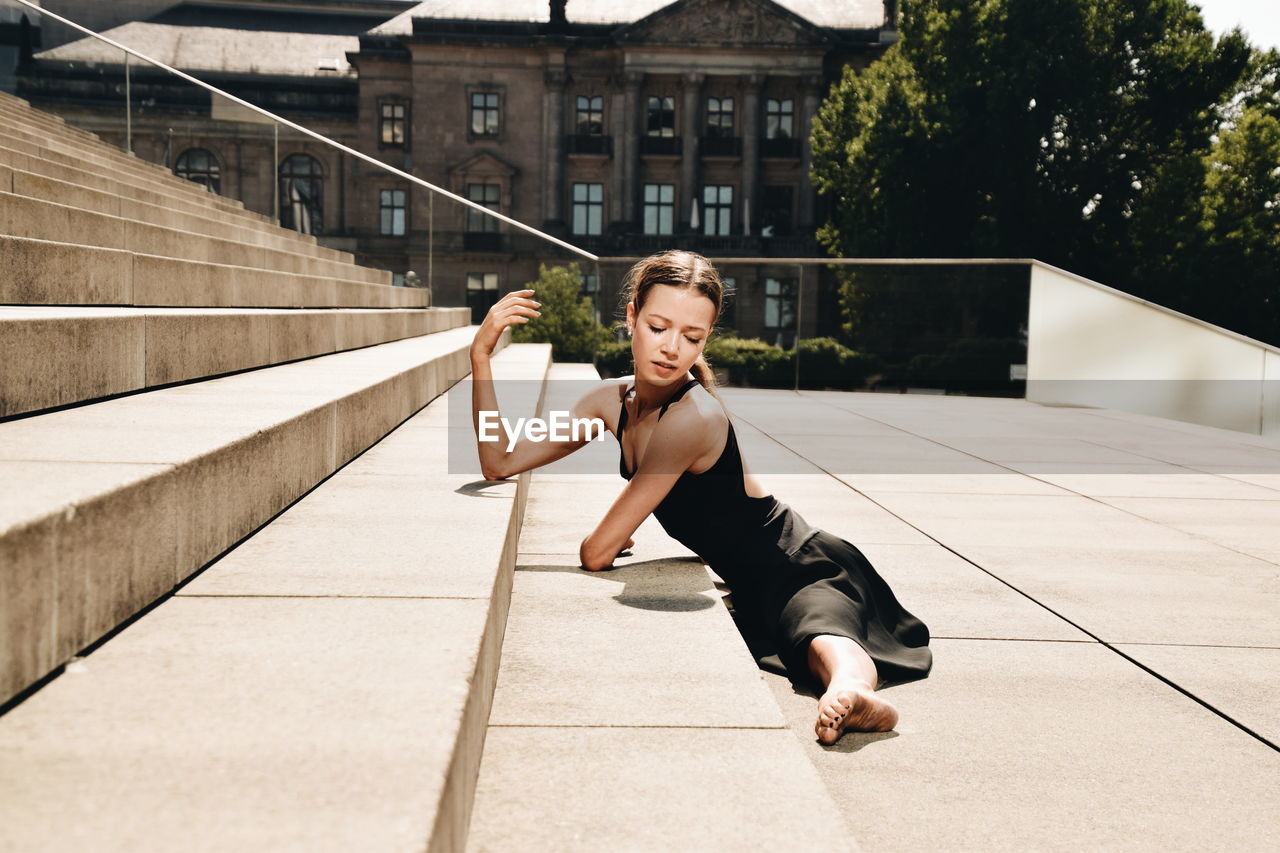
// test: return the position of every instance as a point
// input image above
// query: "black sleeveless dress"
(789, 581)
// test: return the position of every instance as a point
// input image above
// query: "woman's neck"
(649, 397)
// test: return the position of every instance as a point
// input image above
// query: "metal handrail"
(311, 133)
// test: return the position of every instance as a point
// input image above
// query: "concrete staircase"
(191, 657)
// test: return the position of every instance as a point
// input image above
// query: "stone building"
(622, 128)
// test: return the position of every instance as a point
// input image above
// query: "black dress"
(789, 581)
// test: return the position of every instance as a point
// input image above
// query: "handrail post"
(799, 309)
(128, 106)
(431, 242)
(275, 172)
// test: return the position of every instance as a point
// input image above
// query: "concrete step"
(43, 272)
(106, 158)
(97, 151)
(323, 686)
(104, 508)
(630, 698)
(51, 356)
(29, 158)
(24, 183)
(51, 120)
(42, 220)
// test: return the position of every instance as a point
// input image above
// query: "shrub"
(567, 322)
(969, 365)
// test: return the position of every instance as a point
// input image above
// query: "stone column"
(691, 131)
(812, 92)
(553, 171)
(750, 131)
(626, 152)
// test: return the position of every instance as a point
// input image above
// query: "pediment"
(724, 23)
(484, 165)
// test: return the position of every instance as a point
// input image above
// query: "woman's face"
(669, 333)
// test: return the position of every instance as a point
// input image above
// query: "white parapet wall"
(1092, 345)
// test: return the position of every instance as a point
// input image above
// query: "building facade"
(621, 128)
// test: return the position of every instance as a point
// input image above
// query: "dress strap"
(676, 396)
(622, 416)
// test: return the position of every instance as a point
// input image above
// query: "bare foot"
(852, 706)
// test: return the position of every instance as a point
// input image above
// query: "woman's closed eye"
(657, 330)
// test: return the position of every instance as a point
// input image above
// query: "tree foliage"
(1078, 132)
(567, 319)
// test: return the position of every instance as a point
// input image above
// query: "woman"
(828, 613)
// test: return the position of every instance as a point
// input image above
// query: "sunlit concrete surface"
(1103, 590)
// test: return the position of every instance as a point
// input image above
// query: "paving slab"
(645, 644)
(827, 503)
(228, 724)
(1146, 480)
(1249, 526)
(640, 789)
(1016, 746)
(1239, 682)
(1216, 597)
(957, 599)
(1033, 520)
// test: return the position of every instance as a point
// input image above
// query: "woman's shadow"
(670, 585)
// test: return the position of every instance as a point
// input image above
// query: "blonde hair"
(686, 270)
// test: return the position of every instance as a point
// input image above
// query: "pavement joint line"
(1194, 645)
(357, 597)
(627, 726)
(30, 691)
(1111, 647)
(1015, 640)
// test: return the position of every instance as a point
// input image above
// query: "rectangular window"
(729, 311)
(659, 208)
(482, 293)
(590, 116)
(777, 211)
(717, 209)
(720, 118)
(394, 124)
(661, 116)
(780, 311)
(588, 208)
(484, 113)
(487, 196)
(391, 213)
(778, 118)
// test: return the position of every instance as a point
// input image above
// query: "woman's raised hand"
(515, 307)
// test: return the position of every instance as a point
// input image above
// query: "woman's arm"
(682, 437)
(496, 463)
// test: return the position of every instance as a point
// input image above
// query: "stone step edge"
(102, 201)
(361, 412)
(126, 350)
(105, 152)
(108, 277)
(190, 205)
(284, 260)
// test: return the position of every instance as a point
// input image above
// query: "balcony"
(661, 146)
(780, 147)
(589, 144)
(721, 146)
(482, 241)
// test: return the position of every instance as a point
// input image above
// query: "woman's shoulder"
(699, 407)
(608, 394)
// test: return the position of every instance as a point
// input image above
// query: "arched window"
(302, 194)
(197, 164)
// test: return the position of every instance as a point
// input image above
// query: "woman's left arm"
(680, 439)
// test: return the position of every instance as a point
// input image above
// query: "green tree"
(568, 321)
(1242, 227)
(1060, 129)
